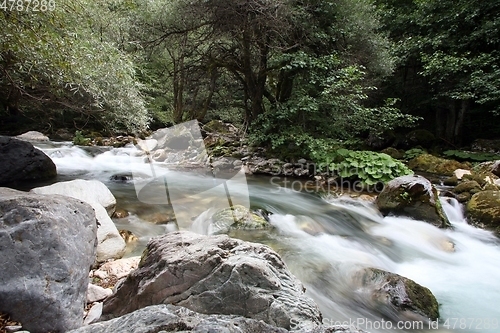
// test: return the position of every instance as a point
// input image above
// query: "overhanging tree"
(59, 61)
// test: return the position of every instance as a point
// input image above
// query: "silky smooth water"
(325, 240)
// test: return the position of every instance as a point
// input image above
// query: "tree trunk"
(455, 117)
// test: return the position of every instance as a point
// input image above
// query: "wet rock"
(236, 218)
(412, 196)
(451, 181)
(432, 164)
(124, 177)
(215, 275)
(120, 214)
(483, 210)
(23, 162)
(463, 197)
(394, 295)
(482, 177)
(470, 186)
(48, 245)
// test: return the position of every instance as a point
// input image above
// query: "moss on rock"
(483, 210)
(432, 164)
(401, 293)
(470, 186)
(412, 196)
(237, 218)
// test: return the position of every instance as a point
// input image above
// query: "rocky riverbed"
(65, 252)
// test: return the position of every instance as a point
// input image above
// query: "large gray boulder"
(47, 245)
(23, 162)
(412, 196)
(110, 244)
(215, 275)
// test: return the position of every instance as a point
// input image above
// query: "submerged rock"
(395, 295)
(48, 245)
(236, 218)
(215, 275)
(412, 196)
(23, 162)
(483, 210)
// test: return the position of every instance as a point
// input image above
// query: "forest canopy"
(290, 73)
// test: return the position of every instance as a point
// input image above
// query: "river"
(323, 240)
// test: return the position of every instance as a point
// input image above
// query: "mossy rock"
(489, 167)
(415, 197)
(433, 164)
(467, 186)
(451, 181)
(483, 210)
(394, 153)
(463, 197)
(237, 218)
(397, 294)
(483, 178)
(216, 126)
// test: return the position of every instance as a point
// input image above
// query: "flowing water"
(324, 241)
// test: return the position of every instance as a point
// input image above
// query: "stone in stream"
(395, 296)
(236, 217)
(48, 245)
(483, 210)
(415, 197)
(215, 275)
(23, 162)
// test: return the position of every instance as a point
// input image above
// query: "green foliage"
(461, 155)
(448, 60)
(369, 167)
(412, 153)
(328, 103)
(63, 61)
(80, 140)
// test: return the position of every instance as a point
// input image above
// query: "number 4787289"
(28, 5)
